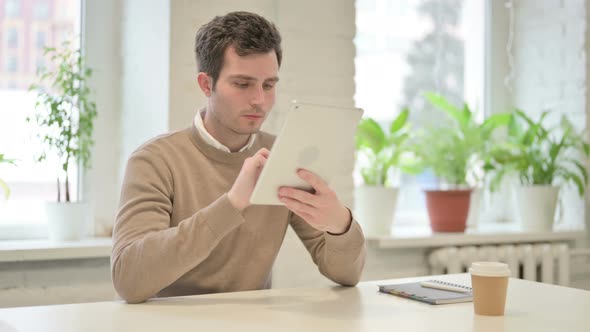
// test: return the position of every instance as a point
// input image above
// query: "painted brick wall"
(318, 57)
(550, 71)
(318, 67)
(145, 42)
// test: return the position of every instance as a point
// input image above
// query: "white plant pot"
(66, 221)
(536, 206)
(375, 208)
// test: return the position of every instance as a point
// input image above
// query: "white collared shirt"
(211, 140)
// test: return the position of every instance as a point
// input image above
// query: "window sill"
(402, 237)
(421, 236)
(43, 250)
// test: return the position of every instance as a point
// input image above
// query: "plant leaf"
(569, 176)
(581, 169)
(493, 122)
(369, 134)
(442, 103)
(514, 128)
(399, 121)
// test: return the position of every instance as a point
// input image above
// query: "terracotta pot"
(448, 209)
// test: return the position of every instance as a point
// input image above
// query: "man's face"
(244, 93)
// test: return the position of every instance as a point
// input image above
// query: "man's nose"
(258, 96)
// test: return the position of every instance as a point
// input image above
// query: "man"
(185, 225)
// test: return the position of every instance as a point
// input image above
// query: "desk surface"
(530, 307)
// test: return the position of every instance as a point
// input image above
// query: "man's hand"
(240, 192)
(322, 209)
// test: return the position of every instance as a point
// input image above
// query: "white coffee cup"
(490, 284)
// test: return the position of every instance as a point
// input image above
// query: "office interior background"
(379, 55)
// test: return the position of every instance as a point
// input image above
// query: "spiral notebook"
(415, 291)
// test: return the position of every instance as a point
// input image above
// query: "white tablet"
(314, 137)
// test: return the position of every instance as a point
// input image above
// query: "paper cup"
(490, 284)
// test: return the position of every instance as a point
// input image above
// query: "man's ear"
(205, 83)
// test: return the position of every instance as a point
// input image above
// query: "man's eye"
(241, 85)
(268, 86)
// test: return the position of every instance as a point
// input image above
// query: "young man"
(185, 225)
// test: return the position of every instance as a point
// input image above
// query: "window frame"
(32, 228)
(478, 98)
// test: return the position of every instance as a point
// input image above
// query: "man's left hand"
(322, 209)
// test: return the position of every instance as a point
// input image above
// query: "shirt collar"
(211, 140)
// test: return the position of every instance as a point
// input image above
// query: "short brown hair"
(248, 33)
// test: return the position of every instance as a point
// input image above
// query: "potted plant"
(454, 153)
(64, 116)
(4, 185)
(543, 159)
(379, 154)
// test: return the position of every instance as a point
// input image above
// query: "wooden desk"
(531, 307)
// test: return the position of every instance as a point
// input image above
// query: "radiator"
(545, 262)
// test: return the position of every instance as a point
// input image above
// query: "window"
(11, 64)
(31, 183)
(41, 40)
(41, 9)
(12, 38)
(40, 63)
(406, 48)
(12, 8)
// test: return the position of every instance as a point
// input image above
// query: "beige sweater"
(176, 233)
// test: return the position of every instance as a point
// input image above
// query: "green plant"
(380, 150)
(541, 155)
(455, 152)
(64, 111)
(3, 184)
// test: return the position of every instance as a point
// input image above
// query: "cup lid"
(490, 269)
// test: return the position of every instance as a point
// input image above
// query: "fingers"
(315, 181)
(241, 190)
(310, 219)
(299, 195)
(264, 152)
(259, 158)
(298, 207)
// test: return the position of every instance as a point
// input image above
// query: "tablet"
(314, 137)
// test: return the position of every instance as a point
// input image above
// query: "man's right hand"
(240, 192)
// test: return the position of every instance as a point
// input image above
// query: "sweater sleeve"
(149, 255)
(340, 258)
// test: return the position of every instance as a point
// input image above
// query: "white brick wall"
(318, 67)
(187, 17)
(145, 48)
(102, 49)
(550, 57)
(318, 56)
(550, 70)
